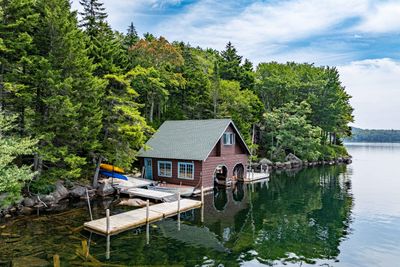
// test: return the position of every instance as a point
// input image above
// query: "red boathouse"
(195, 153)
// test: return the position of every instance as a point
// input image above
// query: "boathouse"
(195, 153)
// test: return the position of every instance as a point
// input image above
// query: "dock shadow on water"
(293, 218)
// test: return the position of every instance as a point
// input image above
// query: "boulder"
(29, 202)
(265, 161)
(292, 158)
(26, 210)
(105, 190)
(287, 165)
(279, 165)
(48, 199)
(78, 191)
(60, 192)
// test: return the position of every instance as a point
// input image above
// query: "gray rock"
(26, 210)
(78, 191)
(29, 202)
(48, 199)
(293, 158)
(265, 161)
(287, 165)
(105, 189)
(60, 192)
(7, 216)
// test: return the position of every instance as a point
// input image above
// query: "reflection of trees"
(307, 215)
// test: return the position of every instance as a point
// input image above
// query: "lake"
(326, 216)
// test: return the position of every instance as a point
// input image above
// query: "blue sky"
(360, 37)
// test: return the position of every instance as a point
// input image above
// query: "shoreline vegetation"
(74, 94)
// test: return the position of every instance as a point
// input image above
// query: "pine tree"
(131, 37)
(93, 16)
(230, 68)
(67, 114)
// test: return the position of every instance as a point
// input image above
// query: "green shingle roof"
(185, 139)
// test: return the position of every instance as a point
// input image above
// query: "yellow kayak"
(111, 168)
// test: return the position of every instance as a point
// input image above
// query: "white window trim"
(179, 170)
(233, 138)
(158, 167)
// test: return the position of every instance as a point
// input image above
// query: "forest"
(378, 136)
(74, 92)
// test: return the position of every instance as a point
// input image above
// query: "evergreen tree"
(230, 68)
(131, 37)
(67, 114)
(93, 16)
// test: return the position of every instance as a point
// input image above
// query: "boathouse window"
(229, 138)
(185, 170)
(165, 168)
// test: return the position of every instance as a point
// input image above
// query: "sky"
(360, 37)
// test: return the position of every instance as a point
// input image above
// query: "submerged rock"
(133, 202)
(29, 261)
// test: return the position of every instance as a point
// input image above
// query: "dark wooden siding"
(174, 179)
(230, 156)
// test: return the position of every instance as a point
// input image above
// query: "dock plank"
(146, 193)
(135, 218)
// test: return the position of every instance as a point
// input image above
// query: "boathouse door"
(148, 169)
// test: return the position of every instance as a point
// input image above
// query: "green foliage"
(289, 131)
(93, 93)
(124, 128)
(13, 174)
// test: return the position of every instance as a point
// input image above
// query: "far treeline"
(378, 136)
(74, 92)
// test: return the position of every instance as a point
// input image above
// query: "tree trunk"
(96, 173)
(151, 110)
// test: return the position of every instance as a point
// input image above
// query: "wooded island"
(74, 93)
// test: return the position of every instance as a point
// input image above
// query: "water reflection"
(302, 217)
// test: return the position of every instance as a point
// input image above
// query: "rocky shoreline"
(57, 200)
(60, 197)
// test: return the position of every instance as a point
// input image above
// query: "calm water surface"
(331, 216)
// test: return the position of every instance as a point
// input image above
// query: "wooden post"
(147, 211)
(108, 248)
(88, 202)
(202, 195)
(179, 211)
(85, 250)
(147, 222)
(108, 221)
(56, 260)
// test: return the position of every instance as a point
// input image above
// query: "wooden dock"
(149, 194)
(128, 220)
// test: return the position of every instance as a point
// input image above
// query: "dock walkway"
(149, 194)
(138, 217)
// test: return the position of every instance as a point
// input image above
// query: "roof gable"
(187, 139)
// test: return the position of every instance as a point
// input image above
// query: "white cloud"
(260, 25)
(382, 17)
(374, 85)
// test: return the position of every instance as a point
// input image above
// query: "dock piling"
(147, 211)
(89, 207)
(179, 211)
(108, 247)
(202, 195)
(108, 221)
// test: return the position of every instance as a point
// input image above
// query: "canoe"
(114, 175)
(111, 168)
